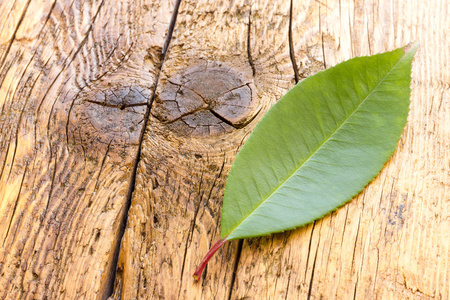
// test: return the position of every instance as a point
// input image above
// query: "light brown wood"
(66, 161)
(175, 213)
(362, 250)
(68, 145)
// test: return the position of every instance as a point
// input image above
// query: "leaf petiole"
(198, 272)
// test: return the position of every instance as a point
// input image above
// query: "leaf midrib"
(317, 149)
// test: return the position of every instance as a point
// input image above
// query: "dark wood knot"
(110, 114)
(205, 100)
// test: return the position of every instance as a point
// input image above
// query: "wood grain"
(76, 78)
(392, 241)
(70, 74)
(175, 212)
(363, 250)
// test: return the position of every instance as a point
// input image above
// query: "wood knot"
(112, 113)
(205, 100)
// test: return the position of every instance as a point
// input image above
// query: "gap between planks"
(123, 220)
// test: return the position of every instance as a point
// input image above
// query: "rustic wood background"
(100, 167)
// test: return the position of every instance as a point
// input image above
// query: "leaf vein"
(325, 140)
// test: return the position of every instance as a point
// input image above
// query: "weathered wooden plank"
(220, 76)
(377, 246)
(392, 241)
(67, 142)
(66, 158)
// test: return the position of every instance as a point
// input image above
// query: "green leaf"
(318, 146)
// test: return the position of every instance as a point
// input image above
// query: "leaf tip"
(411, 47)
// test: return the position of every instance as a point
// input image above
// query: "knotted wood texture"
(89, 90)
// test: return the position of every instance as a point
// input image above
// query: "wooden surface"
(66, 161)
(99, 113)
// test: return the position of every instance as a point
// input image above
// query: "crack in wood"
(109, 286)
(235, 267)
(249, 51)
(15, 206)
(19, 121)
(218, 116)
(180, 117)
(291, 45)
(14, 34)
(6, 157)
(314, 265)
(309, 247)
(321, 40)
(121, 107)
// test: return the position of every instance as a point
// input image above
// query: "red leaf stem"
(198, 272)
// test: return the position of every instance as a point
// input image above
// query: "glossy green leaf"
(318, 146)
